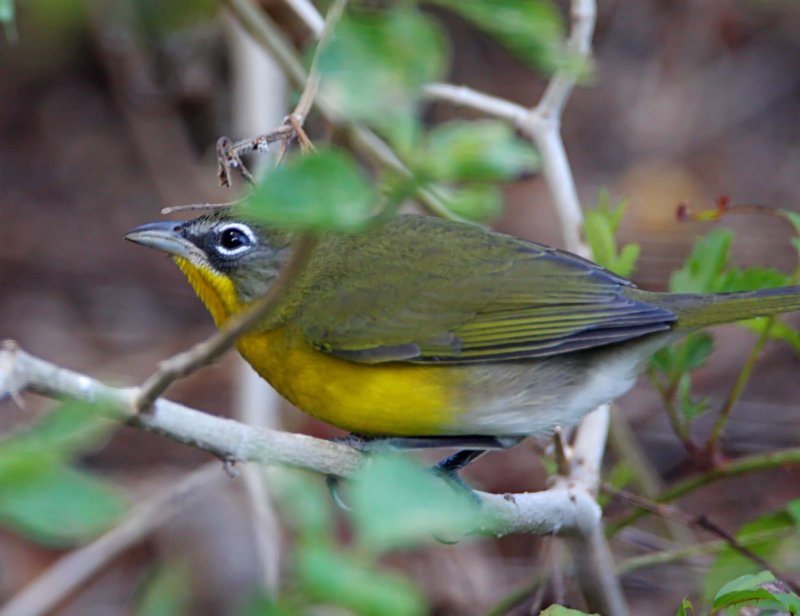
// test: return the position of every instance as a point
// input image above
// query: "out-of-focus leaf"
(757, 588)
(704, 265)
(181, 14)
(7, 18)
(779, 330)
(332, 577)
(376, 62)
(483, 151)
(684, 356)
(397, 504)
(691, 407)
(479, 202)
(532, 30)
(166, 592)
(794, 218)
(265, 605)
(600, 228)
(686, 608)
(58, 506)
(750, 279)
(321, 191)
(304, 502)
(560, 610)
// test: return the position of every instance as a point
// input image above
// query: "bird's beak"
(163, 235)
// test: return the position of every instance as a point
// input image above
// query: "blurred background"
(109, 111)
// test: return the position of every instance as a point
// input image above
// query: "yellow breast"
(388, 399)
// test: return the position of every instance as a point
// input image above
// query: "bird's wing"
(424, 290)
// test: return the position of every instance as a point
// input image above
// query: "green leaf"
(704, 265)
(321, 191)
(686, 608)
(304, 502)
(745, 589)
(166, 592)
(560, 610)
(750, 279)
(7, 18)
(481, 202)
(600, 228)
(330, 576)
(59, 506)
(792, 217)
(484, 151)
(691, 407)
(376, 63)
(532, 30)
(397, 504)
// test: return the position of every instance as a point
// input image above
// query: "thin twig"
(735, 393)
(205, 352)
(69, 572)
(193, 207)
(676, 421)
(700, 521)
(731, 468)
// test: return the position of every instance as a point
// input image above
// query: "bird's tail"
(702, 310)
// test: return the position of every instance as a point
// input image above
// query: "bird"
(423, 331)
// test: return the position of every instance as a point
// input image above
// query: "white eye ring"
(243, 229)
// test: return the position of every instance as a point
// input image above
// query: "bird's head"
(228, 260)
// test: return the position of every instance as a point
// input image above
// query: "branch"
(731, 468)
(66, 574)
(565, 509)
(700, 521)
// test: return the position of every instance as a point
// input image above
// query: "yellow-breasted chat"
(424, 327)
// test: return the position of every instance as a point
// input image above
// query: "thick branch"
(566, 508)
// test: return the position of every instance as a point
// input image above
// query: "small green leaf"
(792, 217)
(691, 407)
(376, 63)
(796, 243)
(704, 265)
(532, 30)
(7, 18)
(793, 509)
(686, 608)
(479, 202)
(330, 576)
(321, 191)
(750, 279)
(694, 351)
(59, 506)
(166, 592)
(600, 228)
(745, 589)
(304, 502)
(560, 610)
(397, 504)
(483, 151)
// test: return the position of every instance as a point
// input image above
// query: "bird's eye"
(234, 239)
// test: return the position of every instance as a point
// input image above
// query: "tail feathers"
(703, 310)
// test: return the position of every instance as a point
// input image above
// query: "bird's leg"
(470, 449)
(479, 441)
